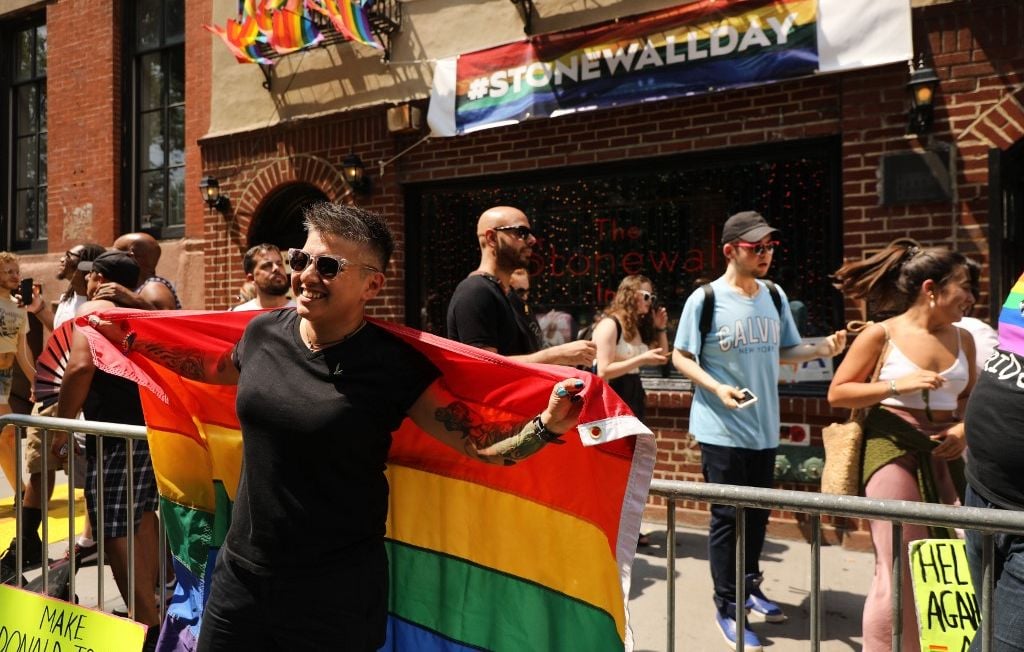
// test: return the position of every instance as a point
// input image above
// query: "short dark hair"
(249, 259)
(354, 224)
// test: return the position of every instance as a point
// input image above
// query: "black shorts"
(340, 605)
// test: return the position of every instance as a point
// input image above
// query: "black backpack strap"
(776, 297)
(707, 313)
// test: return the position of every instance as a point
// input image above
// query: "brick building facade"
(267, 169)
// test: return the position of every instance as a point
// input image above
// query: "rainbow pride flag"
(1011, 320)
(349, 18)
(241, 38)
(536, 556)
(292, 31)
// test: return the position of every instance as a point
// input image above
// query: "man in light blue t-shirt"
(745, 343)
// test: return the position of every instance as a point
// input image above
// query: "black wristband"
(543, 432)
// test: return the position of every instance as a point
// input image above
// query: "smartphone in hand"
(25, 290)
(748, 398)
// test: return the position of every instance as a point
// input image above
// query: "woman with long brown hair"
(913, 433)
(621, 347)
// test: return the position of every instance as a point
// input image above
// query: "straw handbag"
(844, 443)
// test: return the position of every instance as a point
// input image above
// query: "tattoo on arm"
(500, 443)
(188, 363)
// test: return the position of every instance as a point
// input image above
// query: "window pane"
(176, 197)
(151, 81)
(41, 210)
(42, 106)
(42, 159)
(176, 76)
(41, 51)
(26, 100)
(175, 27)
(25, 161)
(151, 199)
(23, 54)
(25, 215)
(147, 24)
(151, 140)
(176, 135)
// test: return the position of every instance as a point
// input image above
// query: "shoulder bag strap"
(857, 414)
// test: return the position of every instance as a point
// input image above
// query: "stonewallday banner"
(694, 48)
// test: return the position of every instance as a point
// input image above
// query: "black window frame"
(9, 187)
(132, 109)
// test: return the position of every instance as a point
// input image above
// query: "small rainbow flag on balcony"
(292, 31)
(241, 38)
(349, 18)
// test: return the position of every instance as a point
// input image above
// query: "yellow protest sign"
(948, 613)
(29, 621)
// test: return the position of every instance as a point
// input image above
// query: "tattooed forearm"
(188, 363)
(457, 417)
(503, 443)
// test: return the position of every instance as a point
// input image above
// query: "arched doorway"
(279, 220)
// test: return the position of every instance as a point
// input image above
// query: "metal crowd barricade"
(988, 521)
(100, 430)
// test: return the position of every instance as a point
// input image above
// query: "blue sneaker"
(727, 626)
(759, 604)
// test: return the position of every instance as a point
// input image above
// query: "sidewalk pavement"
(845, 578)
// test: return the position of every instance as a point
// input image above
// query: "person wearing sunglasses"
(320, 392)
(747, 339)
(621, 347)
(480, 312)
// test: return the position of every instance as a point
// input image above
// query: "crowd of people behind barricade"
(733, 332)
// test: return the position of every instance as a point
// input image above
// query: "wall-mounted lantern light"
(354, 171)
(922, 86)
(210, 188)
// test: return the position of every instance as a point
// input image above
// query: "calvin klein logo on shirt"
(752, 331)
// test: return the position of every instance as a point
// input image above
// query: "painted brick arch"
(299, 168)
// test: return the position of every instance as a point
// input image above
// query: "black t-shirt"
(994, 424)
(316, 429)
(480, 314)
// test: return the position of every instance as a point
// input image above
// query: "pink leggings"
(898, 481)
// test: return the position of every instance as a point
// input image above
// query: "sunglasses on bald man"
(521, 232)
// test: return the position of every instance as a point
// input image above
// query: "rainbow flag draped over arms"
(534, 556)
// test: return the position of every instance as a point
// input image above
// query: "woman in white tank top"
(913, 433)
(621, 349)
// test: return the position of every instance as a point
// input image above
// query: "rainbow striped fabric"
(349, 18)
(285, 26)
(1011, 320)
(292, 31)
(535, 556)
(241, 38)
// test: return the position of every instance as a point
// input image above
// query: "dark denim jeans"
(1008, 594)
(736, 466)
